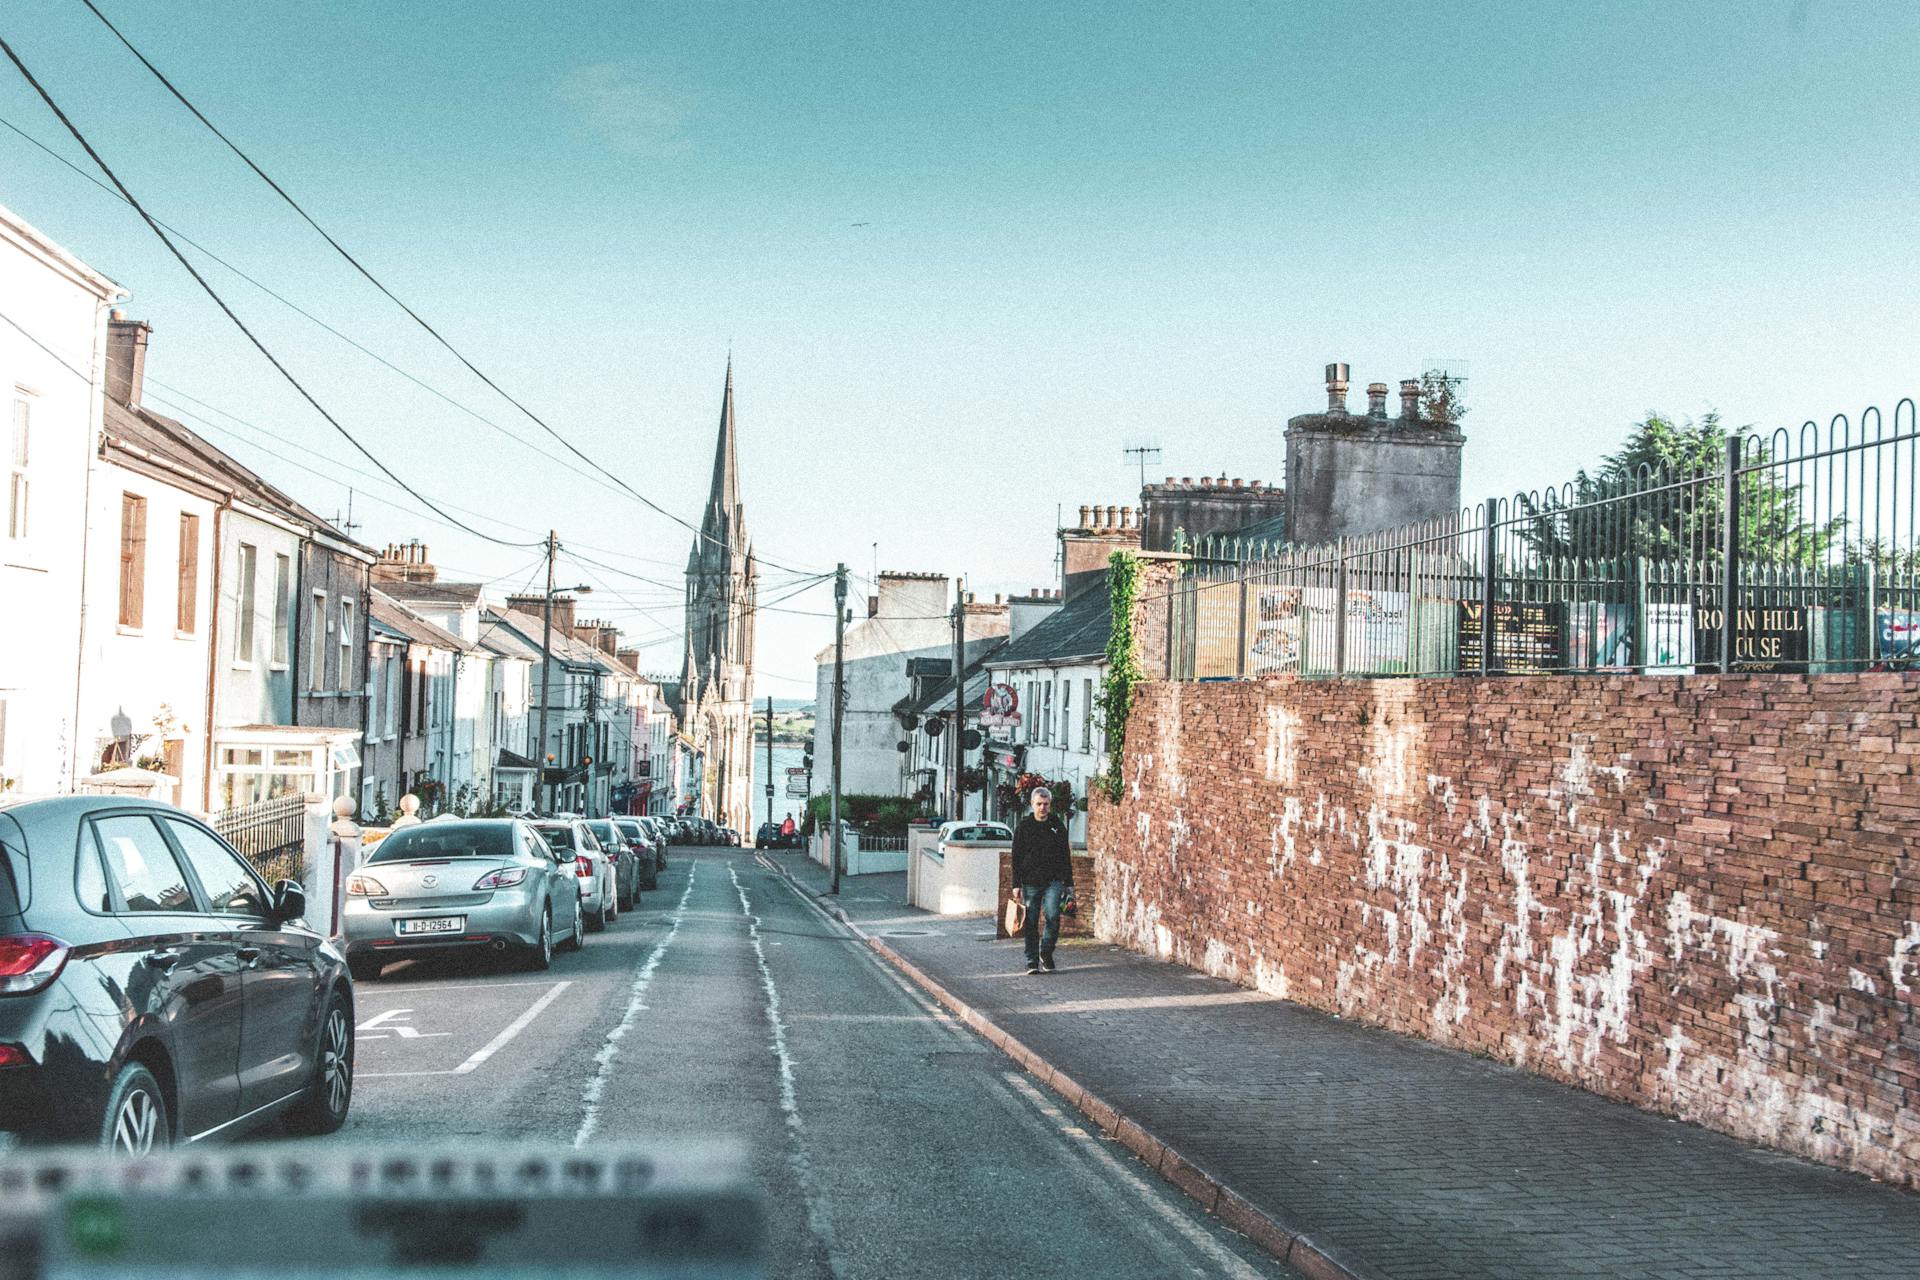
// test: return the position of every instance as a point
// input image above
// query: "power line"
(355, 263)
(212, 293)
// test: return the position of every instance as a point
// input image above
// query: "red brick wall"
(1695, 894)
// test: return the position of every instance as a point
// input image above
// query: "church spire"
(724, 500)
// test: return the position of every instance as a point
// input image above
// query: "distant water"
(784, 757)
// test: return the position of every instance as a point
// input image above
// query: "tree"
(1661, 496)
(1440, 397)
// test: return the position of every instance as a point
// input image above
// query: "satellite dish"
(935, 728)
(970, 739)
(913, 722)
(903, 746)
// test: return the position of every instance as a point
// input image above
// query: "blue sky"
(1084, 224)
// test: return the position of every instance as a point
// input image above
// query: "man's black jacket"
(1040, 852)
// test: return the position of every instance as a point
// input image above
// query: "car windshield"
(446, 840)
(557, 834)
(603, 829)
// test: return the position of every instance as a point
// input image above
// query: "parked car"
(593, 869)
(730, 837)
(632, 860)
(962, 830)
(153, 989)
(653, 845)
(662, 836)
(471, 884)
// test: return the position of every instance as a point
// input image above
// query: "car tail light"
(365, 887)
(502, 878)
(583, 867)
(12, 1055)
(29, 961)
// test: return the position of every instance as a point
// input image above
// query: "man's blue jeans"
(1043, 901)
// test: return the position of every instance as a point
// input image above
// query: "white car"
(976, 830)
(593, 869)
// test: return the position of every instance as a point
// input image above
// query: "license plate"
(432, 924)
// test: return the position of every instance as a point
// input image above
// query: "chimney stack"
(1337, 390)
(1410, 399)
(126, 358)
(873, 606)
(1376, 399)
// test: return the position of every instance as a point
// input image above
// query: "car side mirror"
(289, 901)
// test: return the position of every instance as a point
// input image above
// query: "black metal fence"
(271, 835)
(1795, 551)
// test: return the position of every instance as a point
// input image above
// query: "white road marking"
(493, 1046)
(1161, 1201)
(636, 1004)
(427, 986)
(1223, 1260)
(380, 1024)
(789, 1100)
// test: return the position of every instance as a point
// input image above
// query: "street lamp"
(546, 664)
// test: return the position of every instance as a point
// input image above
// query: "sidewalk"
(1396, 1158)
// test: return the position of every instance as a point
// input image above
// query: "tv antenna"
(346, 524)
(1141, 452)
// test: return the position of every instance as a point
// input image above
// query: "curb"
(1285, 1243)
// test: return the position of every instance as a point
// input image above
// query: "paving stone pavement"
(1400, 1159)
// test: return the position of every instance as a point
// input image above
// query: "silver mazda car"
(470, 884)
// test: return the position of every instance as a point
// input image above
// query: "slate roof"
(1077, 629)
(434, 592)
(387, 612)
(497, 637)
(940, 699)
(569, 651)
(172, 442)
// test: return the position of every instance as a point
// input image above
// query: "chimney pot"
(1236, 482)
(1376, 399)
(1186, 479)
(1410, 399)
(1337, 390)
(1169, 479)
(1084, 517)
(1110, 519)
(873, 605)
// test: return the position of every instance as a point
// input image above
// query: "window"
(140, 866)
(282, 601)
(186, 610)
(1086, 715)
(133, 559)
(319, 623)
(244, 605)
(1066, 713)
(232, 889)
(376, 686)
(395, 664)
(346, 646)
(17, 457)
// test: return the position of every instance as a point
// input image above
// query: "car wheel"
(324, 1109)
(613, 904)
(540, 955)
(578, 938)
(596, 920)
(652, 881)
(135, 1121)
(364, 968)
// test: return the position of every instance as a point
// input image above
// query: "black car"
(153, 989)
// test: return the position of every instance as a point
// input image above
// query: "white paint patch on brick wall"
(1750, 948)
(1282, 749)
(1862, 982)
(1902, 959)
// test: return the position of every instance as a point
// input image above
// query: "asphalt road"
(889, 1141)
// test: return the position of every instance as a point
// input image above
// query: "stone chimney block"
(1337, 390)
(1410, 399)
(1376, 399)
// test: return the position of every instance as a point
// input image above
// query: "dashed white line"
(636, 1004)
(789, 1101)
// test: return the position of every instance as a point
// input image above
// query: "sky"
(964, 254)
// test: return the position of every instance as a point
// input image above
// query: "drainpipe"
(96, 437)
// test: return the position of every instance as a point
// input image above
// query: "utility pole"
(546, 677)
(839, 711)
(955, 754)
(769, 759)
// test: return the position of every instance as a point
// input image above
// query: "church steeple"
(723, 502)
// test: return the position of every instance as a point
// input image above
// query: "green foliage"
(1440, 397)
(1123, 666)
(881, 815)
(382, 811)
(1667, 519)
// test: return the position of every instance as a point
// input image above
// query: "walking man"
(1043, 870)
